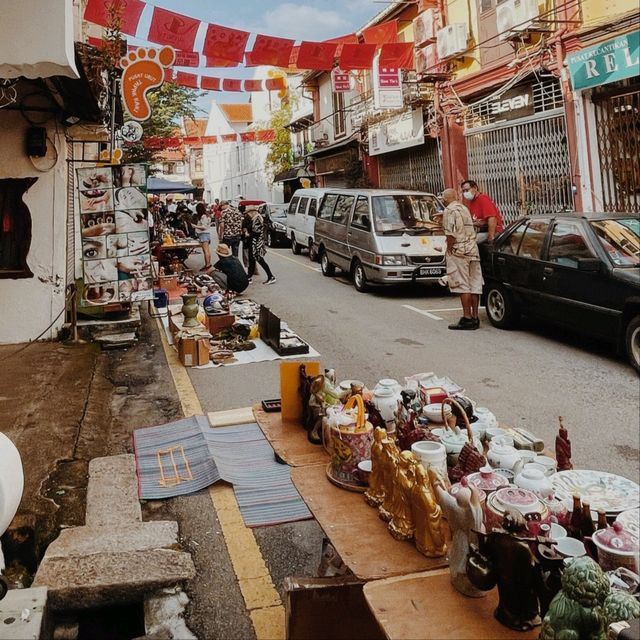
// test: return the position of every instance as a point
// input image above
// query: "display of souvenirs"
(375, 492)
(427, 516)
(401, 523)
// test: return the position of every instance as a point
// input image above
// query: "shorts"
(464, 275)
(204, 237)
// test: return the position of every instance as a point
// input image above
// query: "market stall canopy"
(161, 185)
(36, 39)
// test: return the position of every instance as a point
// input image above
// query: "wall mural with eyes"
(116, 257)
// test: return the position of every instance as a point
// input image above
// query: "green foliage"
(280, 157)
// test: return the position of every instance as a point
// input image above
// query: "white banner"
(399, 132)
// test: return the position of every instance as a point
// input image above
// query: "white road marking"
(453, 309)
(422, 312)
(300, 264)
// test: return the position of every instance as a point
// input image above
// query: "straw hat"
(223, 250)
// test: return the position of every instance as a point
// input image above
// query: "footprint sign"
(143, 70)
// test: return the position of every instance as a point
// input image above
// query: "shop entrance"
(618, 130)
(415, 168)
(522, 163)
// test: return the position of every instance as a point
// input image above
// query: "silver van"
(380, 236)
(301, 219)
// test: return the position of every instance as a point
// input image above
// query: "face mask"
(467, 195)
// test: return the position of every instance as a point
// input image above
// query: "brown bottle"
(587, 521)
(575, 524)
(602, 519)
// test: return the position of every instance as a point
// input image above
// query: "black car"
(581, 271)
(275, 217)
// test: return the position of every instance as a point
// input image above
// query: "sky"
(303, 20)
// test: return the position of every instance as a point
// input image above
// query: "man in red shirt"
(486, 217)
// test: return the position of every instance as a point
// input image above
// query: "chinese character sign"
(341, 80)
(114, 228)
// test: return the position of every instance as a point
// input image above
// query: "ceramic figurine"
(563, 448)
(576, 613)
(427, 517)
(401, 524)
(389, 460)
(318, 392)
(409, 432)
(620, 606)
(375, 493)
(515, 570)
(464, 515)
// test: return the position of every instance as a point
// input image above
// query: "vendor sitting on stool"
(228, 271)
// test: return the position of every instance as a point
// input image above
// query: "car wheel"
(500, 307)
(633, 342)
(313, 255)
(359, 277)
(327, 268)
(295, 247)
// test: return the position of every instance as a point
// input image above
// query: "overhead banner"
(116, 256)
(399, 132)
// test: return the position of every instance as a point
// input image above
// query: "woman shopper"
(203, 229)
(257, 248)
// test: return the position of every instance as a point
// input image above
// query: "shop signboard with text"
(114, 229)
(399, 132)
(340, 81)
(609, 61)
(387, 87)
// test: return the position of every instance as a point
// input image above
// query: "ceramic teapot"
(386, 401)
(464, 450)
(503, 456)
(487, 480)
(616, 548)
(522, 500)
(535, 480)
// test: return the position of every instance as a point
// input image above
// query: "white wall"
(29, 305)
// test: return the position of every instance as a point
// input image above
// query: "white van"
(301, 220)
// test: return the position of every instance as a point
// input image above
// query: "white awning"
(36, 39)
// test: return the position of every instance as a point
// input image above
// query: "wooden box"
(193, 352)
(219, 322)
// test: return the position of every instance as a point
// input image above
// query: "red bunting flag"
(275, 84)
(293, 58)
(224, 43)
(209, 83)
(381, 33)
(266, 135)
(187, 59)
(171, 143)
(192, 140)
(187, 79)
(173, 29)
(248, 136)
(168, 75)
(209, 139)
(351, 38)
(218, 62)
(398, 55)
(357, 56)
(253, 85)
(231, 85)
(129, 12)
(271, 51)
(316, 55)
(229, 137)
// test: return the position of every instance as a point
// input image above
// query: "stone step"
(82, 582)
(112, 492)
(116, 340)
(23, 614)
(137, 536)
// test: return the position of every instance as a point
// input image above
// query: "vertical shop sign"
(340, 81)
(387, 87)
(114, 228)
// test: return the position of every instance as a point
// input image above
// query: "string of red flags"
(175, 142)
(226, 47)
(212, 83)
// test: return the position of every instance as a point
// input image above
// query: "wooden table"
(189, 246)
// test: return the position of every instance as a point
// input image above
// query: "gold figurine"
(401, 525)
(389, 461)
(427, 516)
(375, 493)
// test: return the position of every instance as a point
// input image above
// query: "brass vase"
(190, 310)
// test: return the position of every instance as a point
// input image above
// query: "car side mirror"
(592, 265)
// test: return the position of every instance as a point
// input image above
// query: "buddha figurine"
(389, 460)
(375, 493)
(401, 524)
(427, 517)
(563, 448)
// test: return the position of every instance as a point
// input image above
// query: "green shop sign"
(606, 62)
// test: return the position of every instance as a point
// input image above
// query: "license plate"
(431, 271)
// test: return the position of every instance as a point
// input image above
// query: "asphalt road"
(527, 377)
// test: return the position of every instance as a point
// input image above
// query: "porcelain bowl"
(434, 411)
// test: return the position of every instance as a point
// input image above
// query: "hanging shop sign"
(114, 228)
(340, 81)
(609, 61)
(387, 87)
(399, 132)
(513, 104)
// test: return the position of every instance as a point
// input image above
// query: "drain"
(123, 621)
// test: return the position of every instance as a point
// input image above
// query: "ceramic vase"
(386, 403)
(190, 309)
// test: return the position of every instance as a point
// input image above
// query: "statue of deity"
(563, 448)
(401, 525)
(427, 517)
(389, 460)
(375, 493)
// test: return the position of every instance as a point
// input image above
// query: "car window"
(568, 244)
(313, 206)
(327, 206)
(343, 209)
(302, 206)
(620, 239)
(361, 218)
(533, 241)
(293, 204)
(512, 243)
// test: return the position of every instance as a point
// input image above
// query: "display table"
(425, 605)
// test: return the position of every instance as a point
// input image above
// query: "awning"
(321, 151)
(293, 174)
(36, 39)
(161, 185)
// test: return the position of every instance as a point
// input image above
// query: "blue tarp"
(160, 185)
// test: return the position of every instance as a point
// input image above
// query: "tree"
(280, 157)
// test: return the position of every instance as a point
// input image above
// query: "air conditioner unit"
(425, 27)
(452, 40)
(515, 16)
(428, 62)
(319, 135)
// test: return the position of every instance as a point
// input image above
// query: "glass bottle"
(575, 524)
(602, 519)
(587, 521)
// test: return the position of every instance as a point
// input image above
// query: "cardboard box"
(193, 352)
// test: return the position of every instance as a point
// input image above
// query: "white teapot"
(503, 456)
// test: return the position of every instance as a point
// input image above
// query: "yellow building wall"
(605, 11)
(465, 11)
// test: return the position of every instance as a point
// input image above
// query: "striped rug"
(239, 454)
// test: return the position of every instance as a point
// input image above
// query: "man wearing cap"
(228, 271)
(230, 229)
